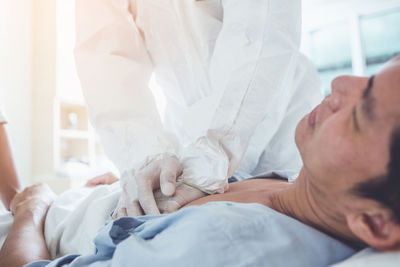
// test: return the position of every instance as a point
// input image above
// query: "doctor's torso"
(180, 37)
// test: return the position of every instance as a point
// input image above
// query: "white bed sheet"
(73, 219)
(371, 258)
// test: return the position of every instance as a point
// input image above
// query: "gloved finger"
(169, 173)
(168, 182)
(169, 206)
(165, 204)
(134, 209)
(119, 212)
(184, 195)
(145, 194)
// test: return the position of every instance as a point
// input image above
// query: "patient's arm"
(25, 242)
(107, 178)
(9, 183)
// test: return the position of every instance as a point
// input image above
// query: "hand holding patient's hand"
(158, 173)
(33, 202)
(161, 174)
(157, 189)
(184, 194)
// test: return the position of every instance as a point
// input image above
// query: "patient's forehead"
(387, 92)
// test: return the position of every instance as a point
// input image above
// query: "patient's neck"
(301, 202)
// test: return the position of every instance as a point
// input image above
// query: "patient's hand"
(25, 241)
(33, 202)
(107, 178)
(184, 194)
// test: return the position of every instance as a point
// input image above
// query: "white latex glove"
(184, 194)
(155, 184)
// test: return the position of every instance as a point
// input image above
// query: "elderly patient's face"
(346, 139)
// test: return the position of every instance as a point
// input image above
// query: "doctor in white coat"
(235, 86)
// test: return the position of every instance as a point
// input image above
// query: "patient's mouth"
(312, 117)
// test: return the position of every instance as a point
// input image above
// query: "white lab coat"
(234, 80)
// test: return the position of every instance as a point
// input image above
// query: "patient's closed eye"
(355, 119)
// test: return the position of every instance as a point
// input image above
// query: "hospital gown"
(215, 234)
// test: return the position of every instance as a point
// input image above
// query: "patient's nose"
(335, 98)
(335, 104)
(343, 91)
(340, 85)
(334, 101)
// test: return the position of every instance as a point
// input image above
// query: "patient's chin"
(300, 134)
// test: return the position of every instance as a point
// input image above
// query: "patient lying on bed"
(347, 190)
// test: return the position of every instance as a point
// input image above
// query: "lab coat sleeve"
(114, 69)
(254, 62)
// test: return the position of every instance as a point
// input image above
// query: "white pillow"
(371, 258)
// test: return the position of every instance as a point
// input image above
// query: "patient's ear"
(376, 227)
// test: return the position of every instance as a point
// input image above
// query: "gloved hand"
(155, 184)
(184, 194)
(160, 172)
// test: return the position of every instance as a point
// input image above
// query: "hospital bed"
(106, 198)
(371, 258)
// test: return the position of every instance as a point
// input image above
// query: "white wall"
(44, 88)
(16, 79)
(68, 84)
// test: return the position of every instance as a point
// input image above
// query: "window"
(359, 42)
(331, 52)
(380, 36)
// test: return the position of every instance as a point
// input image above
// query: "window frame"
(319, 16)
